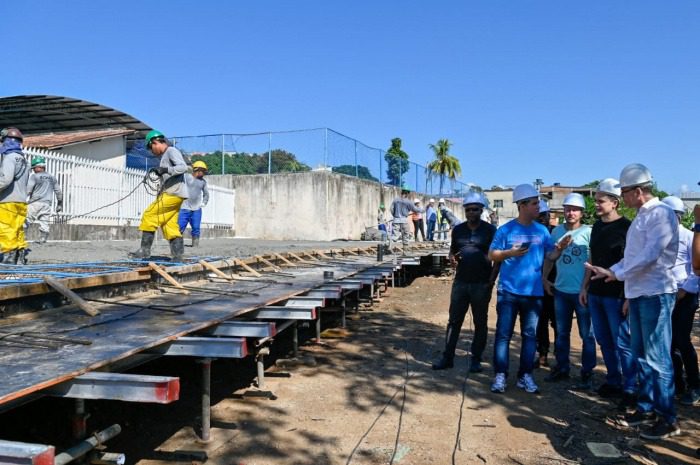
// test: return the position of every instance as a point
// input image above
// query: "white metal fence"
(88, 185)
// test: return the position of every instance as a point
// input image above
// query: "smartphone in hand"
(525, 245)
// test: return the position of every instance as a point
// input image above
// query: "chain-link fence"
(304, 150)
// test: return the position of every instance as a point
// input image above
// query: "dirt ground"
(371, 397)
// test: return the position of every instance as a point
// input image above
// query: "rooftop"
(55, 140)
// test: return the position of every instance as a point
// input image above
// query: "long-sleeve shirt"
(197, 191)
(431, 214)
(683, 269)
(401, 207)
(14, 175)
(42, 187)
(650, 252)
(174, 179)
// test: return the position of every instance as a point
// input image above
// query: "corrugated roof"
(41, 114)
(61, 139)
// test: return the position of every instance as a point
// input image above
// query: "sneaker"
(661, 430)
(585, 383)
(628, 404)
(638, 418)
(475, 367)
(691, 397)
(443, 363)
(527, 383)
(499, 383)
(609, 390)
(556, 375)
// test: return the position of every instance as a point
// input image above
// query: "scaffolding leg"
(260, 363)
(318, 328)
(80, 420)
(206, 399)
(295, 339)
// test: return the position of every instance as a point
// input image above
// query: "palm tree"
(444, 165)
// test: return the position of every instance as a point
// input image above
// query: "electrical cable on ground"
(464, 394)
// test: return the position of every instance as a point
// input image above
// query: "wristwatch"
(696, 228)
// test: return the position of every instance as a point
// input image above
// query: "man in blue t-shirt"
(520, 246)
(571, 253)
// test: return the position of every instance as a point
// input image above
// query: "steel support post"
(260, 363)
(318, 328)
(295, 339)
(206, 398)
(87, 445)
(79, 420)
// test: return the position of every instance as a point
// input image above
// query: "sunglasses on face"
(470, 210)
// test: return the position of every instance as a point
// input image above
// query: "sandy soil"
(370, 397)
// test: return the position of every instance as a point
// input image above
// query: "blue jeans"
(565, 304)
(463, 295)
(612, 331)
(650, 324)
(193, 217)
(508, 307)
(431, 229)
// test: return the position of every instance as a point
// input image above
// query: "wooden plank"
(245, 266)
(301, 260)
(284, 260)
(268, 263)
(215, 270)
(72, 296)
(167, 277)
(307, 254)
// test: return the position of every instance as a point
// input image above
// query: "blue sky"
(564, 91)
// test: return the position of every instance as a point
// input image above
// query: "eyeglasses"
(470, 210)
(629, 189)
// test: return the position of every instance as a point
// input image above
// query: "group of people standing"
(27, 191)
(630, 284)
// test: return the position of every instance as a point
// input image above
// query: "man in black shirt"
(606, 300)
(547, 317)
(473, 282)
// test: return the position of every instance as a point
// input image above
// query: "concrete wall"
(315, 205)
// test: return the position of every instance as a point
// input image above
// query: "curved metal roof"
(34, 114)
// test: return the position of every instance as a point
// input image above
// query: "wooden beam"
(72, 296)
(311, 256)
(167, 277)
(268, 263)
(284, 259)
(245, 266)
(215, 270)
(301, 260)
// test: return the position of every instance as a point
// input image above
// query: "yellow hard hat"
(199, 164)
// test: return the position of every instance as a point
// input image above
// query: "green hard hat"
(152, 134)
(38, 161)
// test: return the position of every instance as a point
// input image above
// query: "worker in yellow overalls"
(14, 175)
(163, 211)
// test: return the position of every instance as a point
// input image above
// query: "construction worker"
(431, 218)
(14, 174)
(473, 282)
(442, 224)
(163, 211)
(570, 253)
(547, 316)
(400, 208)
(41, 188)
(685, 358)
(647, 269)
(520, 246)
(606, 300)
(191, 210)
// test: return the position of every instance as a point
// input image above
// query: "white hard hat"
(441, 201)
(416, 200)
(609, 186)
(431, 201)
(574, 199)
(524, 191)
(474, 197)
(675, 203)
(544, 207)
(634, 175)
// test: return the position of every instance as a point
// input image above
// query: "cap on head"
(544, 207)
(574, 199)
(474, 197)
(153, 134)
(11, 132)
(38, 161)
(675, 203)
(416, 200)
(635, 174)
(524, 191)
(609, 186)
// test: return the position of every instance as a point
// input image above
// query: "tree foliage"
(444, 165)
(243, 163)
(362, 171)
(396, 162)
(628, 212)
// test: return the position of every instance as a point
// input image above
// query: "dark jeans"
(431, 230)
(547, 318)
(464, 294)
(682, 350)
(509, 307)
(565, 304)
(418, 227)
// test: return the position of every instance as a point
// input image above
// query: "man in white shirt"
(647, 270)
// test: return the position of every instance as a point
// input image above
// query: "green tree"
(396, 161)
(445, 165)
(362, 171)
(628, 212)
(244, 163)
